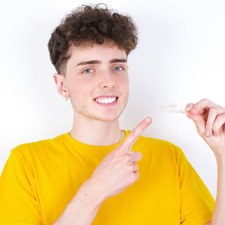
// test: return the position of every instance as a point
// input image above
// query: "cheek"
(77, 87)
(124, 83)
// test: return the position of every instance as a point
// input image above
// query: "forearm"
(219, 210)
(83, 207)
(209, 119)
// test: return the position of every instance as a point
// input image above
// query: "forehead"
(93, 51)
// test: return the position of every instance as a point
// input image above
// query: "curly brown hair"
(89, 24)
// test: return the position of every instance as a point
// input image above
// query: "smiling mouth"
(106, 100)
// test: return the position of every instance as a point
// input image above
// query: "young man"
(98, 173)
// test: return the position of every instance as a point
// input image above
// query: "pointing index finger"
(136, 132)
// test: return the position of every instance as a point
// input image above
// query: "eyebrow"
(98, 62)
(118, 60)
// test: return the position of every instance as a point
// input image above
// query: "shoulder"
(38, 146)
(40, 154)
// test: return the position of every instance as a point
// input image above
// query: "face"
(96, 81)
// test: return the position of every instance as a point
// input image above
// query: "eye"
(118, 68)
(88, 70)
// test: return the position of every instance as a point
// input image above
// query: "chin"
(107, 117)
(100, 115)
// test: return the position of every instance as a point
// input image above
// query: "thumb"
(197, 118)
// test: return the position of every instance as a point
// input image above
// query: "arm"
(209, 119)
(219, 210)
(83, 207)
(115, 173)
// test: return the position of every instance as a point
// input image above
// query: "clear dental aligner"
(171, 108)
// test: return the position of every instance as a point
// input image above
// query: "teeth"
(105, 100)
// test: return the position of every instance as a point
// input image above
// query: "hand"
(209, 119)
(119, 169)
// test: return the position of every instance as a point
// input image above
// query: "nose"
(107, 80)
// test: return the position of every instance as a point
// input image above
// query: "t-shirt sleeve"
(196, 201)
(18, 204)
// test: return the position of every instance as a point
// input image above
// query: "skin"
(209, 119)
(120, 165)
(92, 72)
(99, 71)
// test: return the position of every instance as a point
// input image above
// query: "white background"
(180, 58)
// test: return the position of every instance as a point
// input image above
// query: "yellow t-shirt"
(40, 179)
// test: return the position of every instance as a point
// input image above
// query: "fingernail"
(148, 120)
(189, 107)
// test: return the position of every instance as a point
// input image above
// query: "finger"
(189, 107)
(136, 132)
(213, 115)
(198, 120)
(134, 157)
(199, 107)
(198, 113)
(218, 125)
(135, 168)
(136, 176)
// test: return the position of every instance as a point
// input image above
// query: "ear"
(60, 82)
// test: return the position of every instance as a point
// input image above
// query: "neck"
(96, 132)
